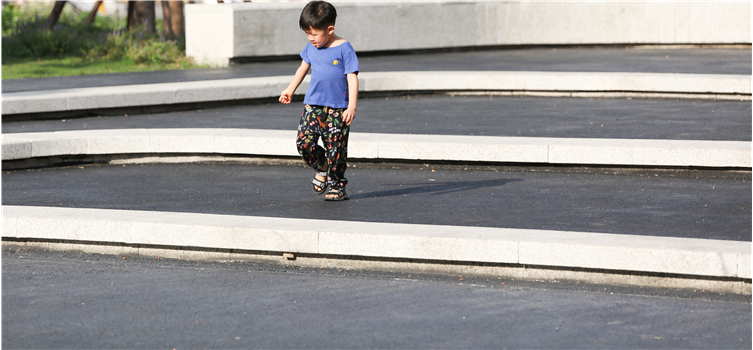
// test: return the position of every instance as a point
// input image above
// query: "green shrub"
(154, 52)
(13, 15)
(139, 46)
(25, 35)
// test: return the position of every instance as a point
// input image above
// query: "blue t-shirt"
(329, 69)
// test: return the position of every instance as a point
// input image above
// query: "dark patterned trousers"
(327, 123)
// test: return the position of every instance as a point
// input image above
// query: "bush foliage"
(25, 35)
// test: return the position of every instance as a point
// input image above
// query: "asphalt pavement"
(63, 300)
(694, 61)
(57, 300)
(688, 204)
(465, 115)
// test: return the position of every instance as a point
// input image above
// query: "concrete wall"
(216, 33)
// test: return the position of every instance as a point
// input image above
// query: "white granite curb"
(663, 255)
(708, 85)
(383, 146)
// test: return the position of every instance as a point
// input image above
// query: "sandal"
(321, 185)
(336, 195)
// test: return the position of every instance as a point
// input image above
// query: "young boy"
(330, 102)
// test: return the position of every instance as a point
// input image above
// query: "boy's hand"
(348, 116)
(286, 97)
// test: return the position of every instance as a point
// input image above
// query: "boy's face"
(320, 38)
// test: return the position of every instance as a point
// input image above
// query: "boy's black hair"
(317, 15)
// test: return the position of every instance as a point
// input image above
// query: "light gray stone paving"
(269, 87)
(565, 249)
(389, 147)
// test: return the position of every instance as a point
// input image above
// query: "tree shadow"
(434, 188)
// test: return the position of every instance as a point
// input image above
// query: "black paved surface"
(692, 205)
(64, 301)
(470, 115)
(701, 61)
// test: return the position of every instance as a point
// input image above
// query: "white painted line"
(699, 257)
(254, 142)
(266, 87)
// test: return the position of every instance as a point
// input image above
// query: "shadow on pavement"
(435, 188)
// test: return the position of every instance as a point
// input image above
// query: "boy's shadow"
(434, 188)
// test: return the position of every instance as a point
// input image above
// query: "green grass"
(52, 67)
(31, 50)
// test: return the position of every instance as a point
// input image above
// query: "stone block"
(266, 87)
(56, 143)
(9, 225)
(117, 141)
(744, 265)
(679, 83)
(257, 142)
(364, 145)
(223, 231)
(650, 152)
(182, 140)
(270, 29)
(472, 148)
(215, 46)
(427, 25)
(289, 37)
(487, 22)
(354, 23)
(632, 253)
(235, 89)
(89, 98)
(386, 81)
(255, 32)
(661, 13)
(536, 248)
(121, 96)
(521, 23)
(715, 22)
(69, 224)
(35, 101)
(15, 146)
(417, 242)
(387, 146)
(555, 81)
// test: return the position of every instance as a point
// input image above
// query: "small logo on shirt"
(335, 62)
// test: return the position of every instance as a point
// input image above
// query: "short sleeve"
(305, 54)
(351, 60)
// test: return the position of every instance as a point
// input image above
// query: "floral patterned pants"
(327, 123)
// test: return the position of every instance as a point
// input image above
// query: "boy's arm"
(287, 95)
(350, 113)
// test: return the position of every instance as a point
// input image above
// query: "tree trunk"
(167, 17)
(55, 15)
(141, 13)
(129, 19)
(93, 14)
(176, 18)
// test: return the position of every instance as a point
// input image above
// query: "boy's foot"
(319, 184)
(336, 195)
